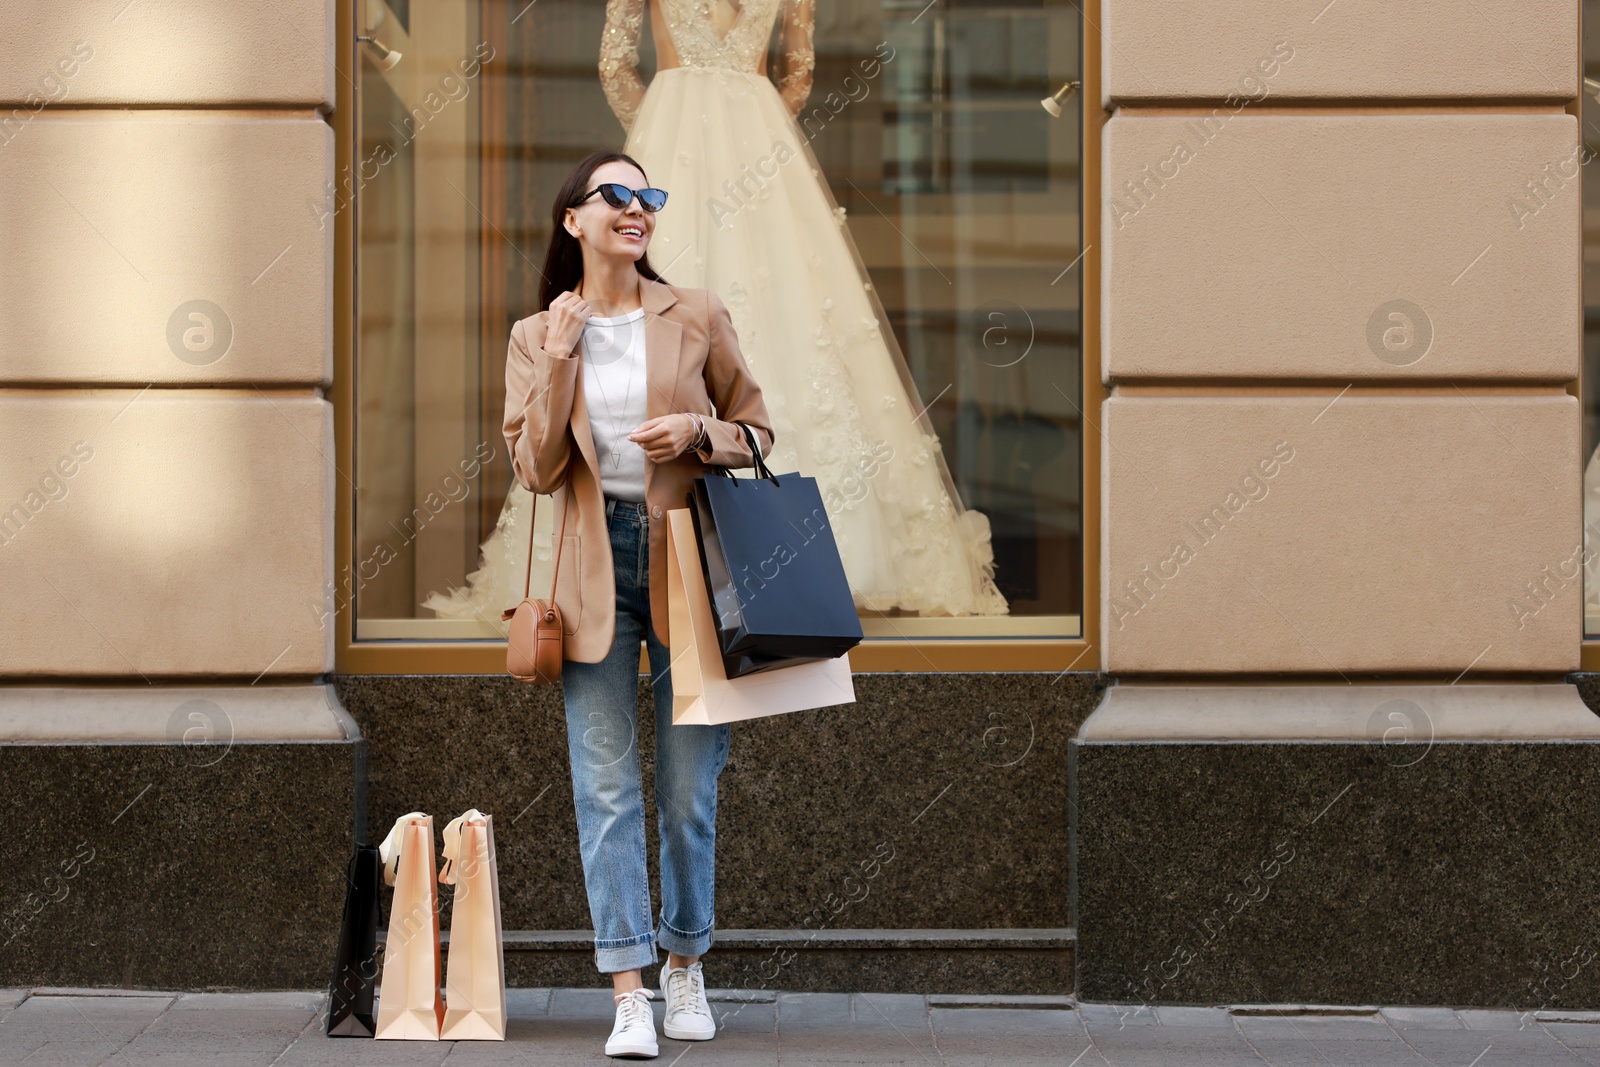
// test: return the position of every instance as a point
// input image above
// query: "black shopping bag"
(778, 588)
(355, 966)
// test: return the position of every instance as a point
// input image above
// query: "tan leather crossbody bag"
(533, 647)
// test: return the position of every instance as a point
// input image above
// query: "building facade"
(1232, 352)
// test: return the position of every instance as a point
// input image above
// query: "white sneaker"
(635, 1031)
(688, 1014)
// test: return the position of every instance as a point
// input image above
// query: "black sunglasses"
(620, 196)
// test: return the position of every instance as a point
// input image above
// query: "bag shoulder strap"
(557, 535)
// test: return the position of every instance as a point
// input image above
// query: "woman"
(618, 394)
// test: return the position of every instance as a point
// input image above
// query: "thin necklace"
(616, 423)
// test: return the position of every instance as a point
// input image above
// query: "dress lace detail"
(692, 27)
(799, 58)
(619, 59)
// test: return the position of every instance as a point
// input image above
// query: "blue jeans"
(607, 791)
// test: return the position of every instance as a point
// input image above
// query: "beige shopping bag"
(409, 1004)
(475, 968)
(702, 692)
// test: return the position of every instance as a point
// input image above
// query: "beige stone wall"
(1276, 244)
(166, 448)
(1415, 49)
(1362, 532)
(1341, 304)
(177, 53)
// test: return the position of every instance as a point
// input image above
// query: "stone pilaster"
(1341, 308)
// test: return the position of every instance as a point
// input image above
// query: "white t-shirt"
(614, 390)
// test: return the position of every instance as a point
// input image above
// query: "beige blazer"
(692, 364)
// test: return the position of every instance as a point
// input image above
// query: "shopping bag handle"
(452, 844)
(760, 464)
(389, 849)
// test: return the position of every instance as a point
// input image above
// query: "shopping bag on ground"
(702, 693)
(355, 963)
(778, 589)
(409, 1004)
(475, 966)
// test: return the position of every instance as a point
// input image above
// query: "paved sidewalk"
(85, 1028)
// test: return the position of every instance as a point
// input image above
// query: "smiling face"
(608, 231)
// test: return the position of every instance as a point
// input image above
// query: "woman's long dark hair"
(563, 261)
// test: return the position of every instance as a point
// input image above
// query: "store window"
(871, 186)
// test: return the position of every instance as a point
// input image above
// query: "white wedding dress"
(751, 217)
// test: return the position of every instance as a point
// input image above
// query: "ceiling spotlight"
(1053, 102)
(388, 58)
(1592, 87)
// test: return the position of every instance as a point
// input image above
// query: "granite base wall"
(172, 866)
(1464, 878)
(1338, 873)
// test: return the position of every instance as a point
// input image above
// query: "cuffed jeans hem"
(626, 957)
(683, 944)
